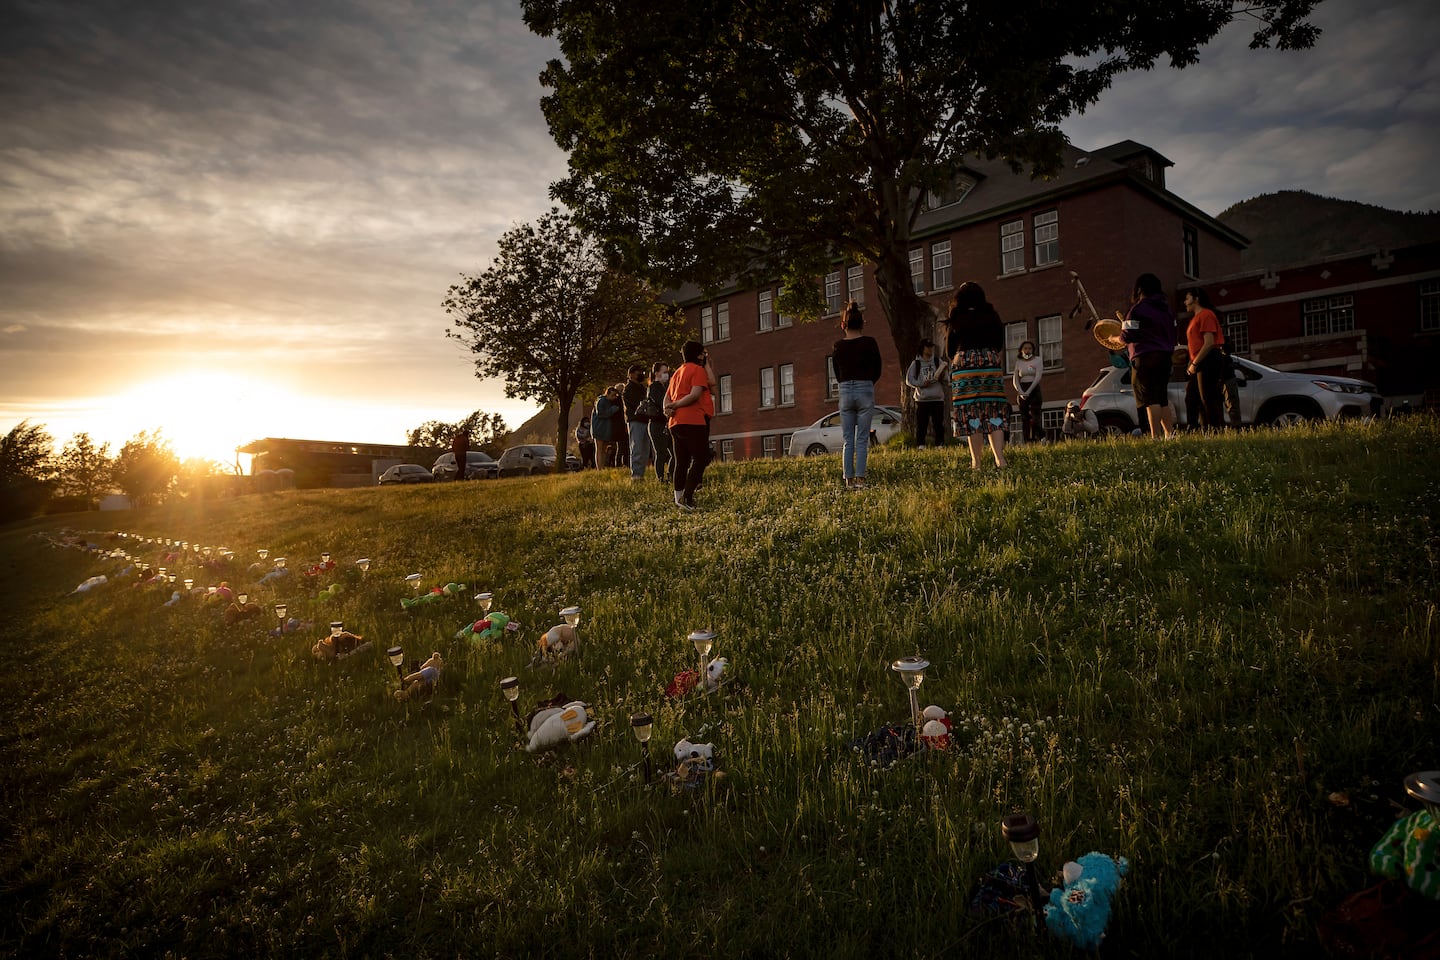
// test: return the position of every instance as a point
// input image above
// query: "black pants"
(692, 454)
(1030, 415)
(930, 413)
(1205, 394)
(660, 443)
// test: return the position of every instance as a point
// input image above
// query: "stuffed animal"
(560, 642)
(237, 612)
(330, 649)
(695, 763)
(935, 733)
(329, 593)
(174, 599)
(687, 680)
(91, 584)
(435, 595)
(1079, 911)
(222, 592)
(318, 568)
(493, 627)
(1410, 852)
(556, 725)
(423, 681)
(713, 672)
(292, 625)
(278, 573)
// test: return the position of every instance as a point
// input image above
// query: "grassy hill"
(1215, 656)
(1291, 226)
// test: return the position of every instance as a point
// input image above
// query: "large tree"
(485, 431)
(84, 470)
(713, 140)
(549, 317)
(146, 468)
(27, 468)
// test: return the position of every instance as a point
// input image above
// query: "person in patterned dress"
(975, 344)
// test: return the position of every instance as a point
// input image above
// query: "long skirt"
(977, 393)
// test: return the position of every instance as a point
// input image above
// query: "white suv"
(1267, 396)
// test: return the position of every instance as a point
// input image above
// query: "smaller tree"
(27, 467)
(486, 431)
(85, 471)
(146, 468)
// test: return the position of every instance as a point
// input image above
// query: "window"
(767, 386)
(1430, 306)
(917, 269)
(1327, 315)
(1052, 419)
(785, 439)
(780, 319)
(940, 265)
(707, 325)
(1015, 334)
(1047, 238)
(722, 321)
(769, 446)
(855, 284)
(787, 384)
(1190, 248)
(1052, 348)
(727, 451)
(727, 400)
(1012, 247)
(1237, 331)
(832, 292)
(832, 386)
(953, 192)
(766, 313)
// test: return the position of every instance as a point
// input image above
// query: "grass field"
(1175, 651)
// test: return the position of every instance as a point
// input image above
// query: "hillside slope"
(1293, 225)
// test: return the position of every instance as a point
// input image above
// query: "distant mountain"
(1292, 226)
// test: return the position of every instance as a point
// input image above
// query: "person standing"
(690, 404)
(857, 368)
(602, 425)
(975, 344)
(659, 431)
(639, 432)
(1205, 342)
(1028, 370)
(924, 377)
(460, 449)
(584, 440)
(1149, 330)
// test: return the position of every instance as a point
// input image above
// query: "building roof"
(271, 444)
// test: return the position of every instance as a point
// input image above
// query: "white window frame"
(769, 446)
(1052, 419)
(1190, 250)
(941, 275)
(832, 293)
(832, 385)
(1326, 315)
(781, 320)
(855, 285)
(765, 311)
(787, 384)
(1237, 331)
(1047, 238)
(785, 439)
(1430, 306)
(725, 399)
(727, 451)
(1050, 343)
(1015, 334)
(707, 325)
(917, 270)
(955, 191)
(722, 320)
(1012, 247)
(767, 387)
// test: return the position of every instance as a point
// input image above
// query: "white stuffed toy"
(695, 763)
(714, 672)
(558, 643)
(557, 725)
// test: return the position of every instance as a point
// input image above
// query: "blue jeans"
(639, 448)
(857, 406)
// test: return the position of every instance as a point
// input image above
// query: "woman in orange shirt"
(689, 404)
(1206, 372)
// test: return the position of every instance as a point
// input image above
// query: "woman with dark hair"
(924, 377)
(975, 345)
(690, 405)
(857, 367)
(1149, 330)
(1028, 371)
(1205, 376)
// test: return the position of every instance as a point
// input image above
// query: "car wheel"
(1114, 425)
(816, 450)
(1289, 415)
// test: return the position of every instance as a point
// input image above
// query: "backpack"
(647, 410)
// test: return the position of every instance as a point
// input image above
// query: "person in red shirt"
(1206, 371)
(689, 405)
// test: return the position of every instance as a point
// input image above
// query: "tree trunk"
(562, 431)
(911, 319)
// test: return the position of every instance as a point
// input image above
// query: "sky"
(238, 219)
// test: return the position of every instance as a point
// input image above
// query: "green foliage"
(487, 432)
(84, 471)
(27, 469)
(549, 317)
(1174, 651)
(146, 468)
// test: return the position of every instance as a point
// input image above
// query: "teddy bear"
(556, 725)
(1079, 911)
(330, 649)
(423, 681)
(560, 642)
(493, 627)
(238, 611)
(687, 680)
(694, 765)
(435, 595)
(935, 731)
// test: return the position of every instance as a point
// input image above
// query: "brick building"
(1106, 216)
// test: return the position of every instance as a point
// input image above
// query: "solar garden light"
(279, 563)
(264, 554)
(280, 610)
(1023, 835)
(485, 600)
(364, 564)
(172, 578)
(325, 557)
(207, 551)
(195, 548)
(912, 672)
(414, 581)
(189, 584)
(510, 686)
(571, 615)
(337, 627)
(703, 640)
(1425, 787)
(641, 724)
(397, 658)
(162, 572)
(242, 599)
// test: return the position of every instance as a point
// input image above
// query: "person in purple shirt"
(1149, 331)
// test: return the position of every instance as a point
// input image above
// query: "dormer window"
(958, 188)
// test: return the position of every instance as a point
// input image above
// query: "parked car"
(531, 459)
(406, 473)
(823, 436)
(478, 466)
(1267, 397)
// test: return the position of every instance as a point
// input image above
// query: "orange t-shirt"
(686, 379)
(1202, 323)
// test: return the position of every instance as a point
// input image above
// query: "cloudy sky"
(237, 219)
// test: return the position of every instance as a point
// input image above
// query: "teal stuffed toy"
(493, 627)
(1080, 911)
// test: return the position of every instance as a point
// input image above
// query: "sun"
(206, 414)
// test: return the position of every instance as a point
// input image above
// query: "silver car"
(406, 473)
(533, 459)
(823, 436)
(478, 466)
(1267, 396)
